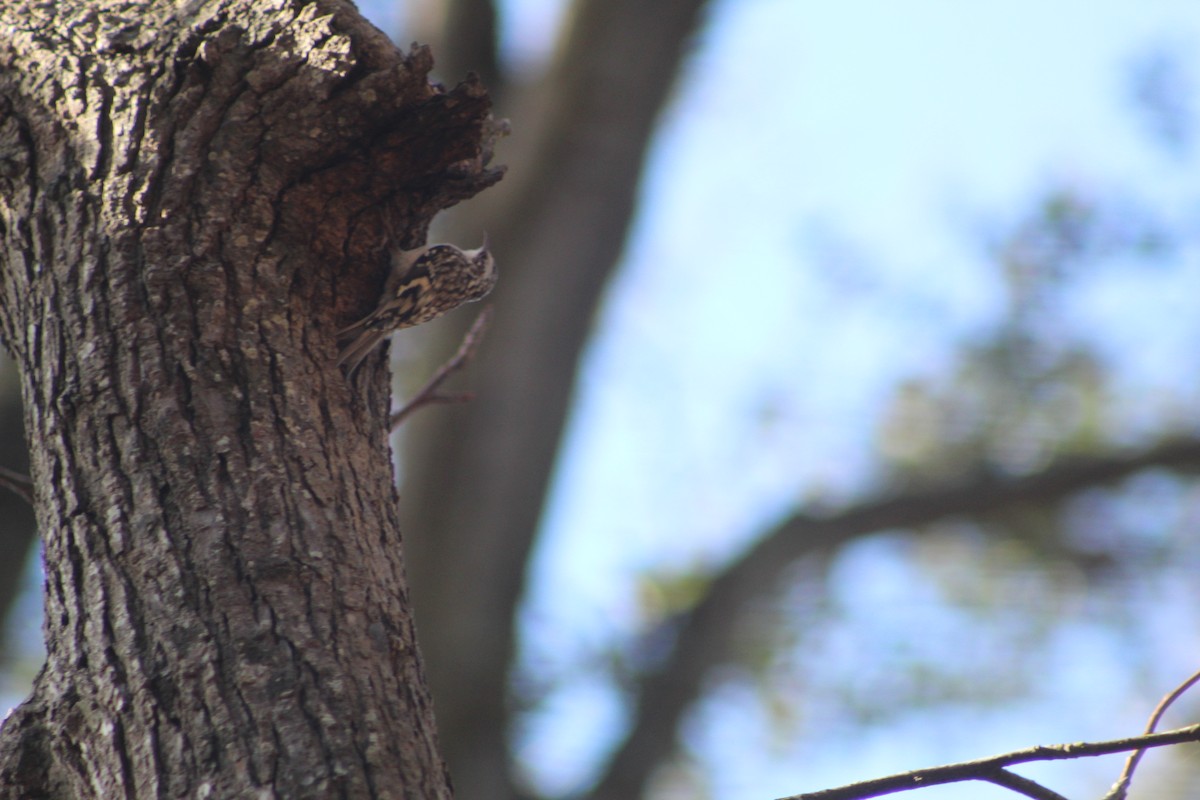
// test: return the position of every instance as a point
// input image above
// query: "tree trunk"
(193, 198)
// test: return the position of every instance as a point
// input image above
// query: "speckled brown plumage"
(425, 283)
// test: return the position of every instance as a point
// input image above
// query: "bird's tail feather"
(354, 353)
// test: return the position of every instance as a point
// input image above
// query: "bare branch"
(428, 395)
(17, 483)
(988, 769)
(1121, 787)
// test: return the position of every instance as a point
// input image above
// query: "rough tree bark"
(193, 197)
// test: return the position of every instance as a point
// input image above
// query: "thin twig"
(1121, 788)
(429, 395)
(986, 769)
(18, 484)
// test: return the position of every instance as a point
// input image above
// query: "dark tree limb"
(704, 635)
(986, 769)
(557, 228)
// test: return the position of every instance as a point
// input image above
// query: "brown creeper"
(424, 284)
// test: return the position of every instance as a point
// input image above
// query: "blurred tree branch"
(704, 635)
(468, 43)
(481, 471)
(18, 484)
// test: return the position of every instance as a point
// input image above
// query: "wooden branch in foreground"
(987, 769)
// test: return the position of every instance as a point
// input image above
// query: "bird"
(424, 284)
